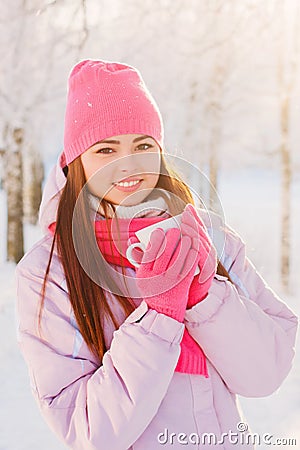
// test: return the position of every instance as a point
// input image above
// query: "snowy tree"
(222, 47)
(35, 37)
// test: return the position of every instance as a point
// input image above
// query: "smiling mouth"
(128, 185)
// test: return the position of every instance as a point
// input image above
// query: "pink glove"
(168, 266)
(208, 266)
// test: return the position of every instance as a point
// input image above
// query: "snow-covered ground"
(250, 200)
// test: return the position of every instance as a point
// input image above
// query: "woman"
(121, 357)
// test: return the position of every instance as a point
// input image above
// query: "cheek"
(91, 163)
(88, 166)
(98, 177)
(154, 178)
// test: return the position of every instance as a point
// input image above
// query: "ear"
(62, 160)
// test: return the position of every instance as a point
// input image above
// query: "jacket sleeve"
(88, 405)
(244, 328)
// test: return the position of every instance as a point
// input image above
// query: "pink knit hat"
(107, 99)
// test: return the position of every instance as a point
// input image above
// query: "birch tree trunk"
(13, 184)
(215, 121)
(33, 175)
(214, 113)
(287, 74)
(286, 181)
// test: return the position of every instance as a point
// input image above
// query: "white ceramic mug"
(143, 236)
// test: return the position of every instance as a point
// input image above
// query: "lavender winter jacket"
(135, 400)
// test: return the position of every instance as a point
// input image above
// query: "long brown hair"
(87, 297)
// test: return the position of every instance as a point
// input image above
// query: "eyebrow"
(112, 141)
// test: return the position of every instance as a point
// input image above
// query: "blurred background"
(226, 76)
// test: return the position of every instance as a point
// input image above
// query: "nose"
(129, 163)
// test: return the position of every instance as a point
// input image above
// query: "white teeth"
(127, 184)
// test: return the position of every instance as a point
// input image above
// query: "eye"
(104, 150)
(144, 146)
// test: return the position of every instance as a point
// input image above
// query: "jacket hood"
(51, 194)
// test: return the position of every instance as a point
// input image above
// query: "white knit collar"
(155, 205)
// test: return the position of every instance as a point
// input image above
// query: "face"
(110, 162)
